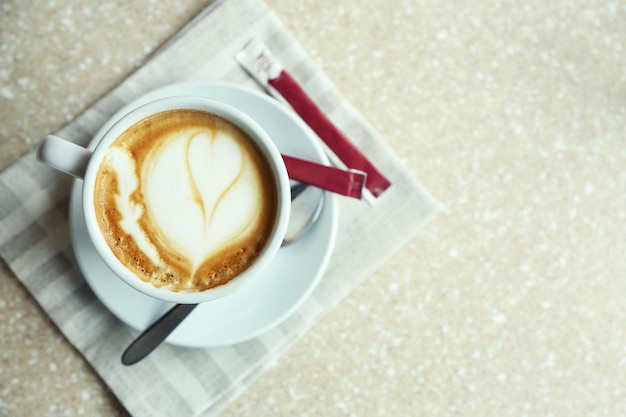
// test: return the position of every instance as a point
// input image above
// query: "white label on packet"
(257, 59)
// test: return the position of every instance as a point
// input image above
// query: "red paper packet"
(345, 182)
(256, 58)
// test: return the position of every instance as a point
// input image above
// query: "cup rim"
(235, 116)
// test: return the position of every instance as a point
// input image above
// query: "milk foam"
(130, 211)
(214, 185)
(192, 206)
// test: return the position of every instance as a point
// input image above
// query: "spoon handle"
(304, 213)
(154, 335)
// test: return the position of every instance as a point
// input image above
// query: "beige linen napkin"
(34, 236)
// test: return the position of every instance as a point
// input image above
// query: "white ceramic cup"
(83, 163)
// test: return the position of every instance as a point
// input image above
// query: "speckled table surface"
(511, 113)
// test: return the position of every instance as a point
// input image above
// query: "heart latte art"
(185, 199)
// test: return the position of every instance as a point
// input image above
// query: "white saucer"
(259, 306)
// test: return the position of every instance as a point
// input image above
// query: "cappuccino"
(186, 200)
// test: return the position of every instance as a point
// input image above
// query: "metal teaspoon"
(306, 206)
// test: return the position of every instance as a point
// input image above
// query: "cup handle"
(64, 155)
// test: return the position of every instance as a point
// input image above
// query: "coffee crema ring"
(185, 199)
